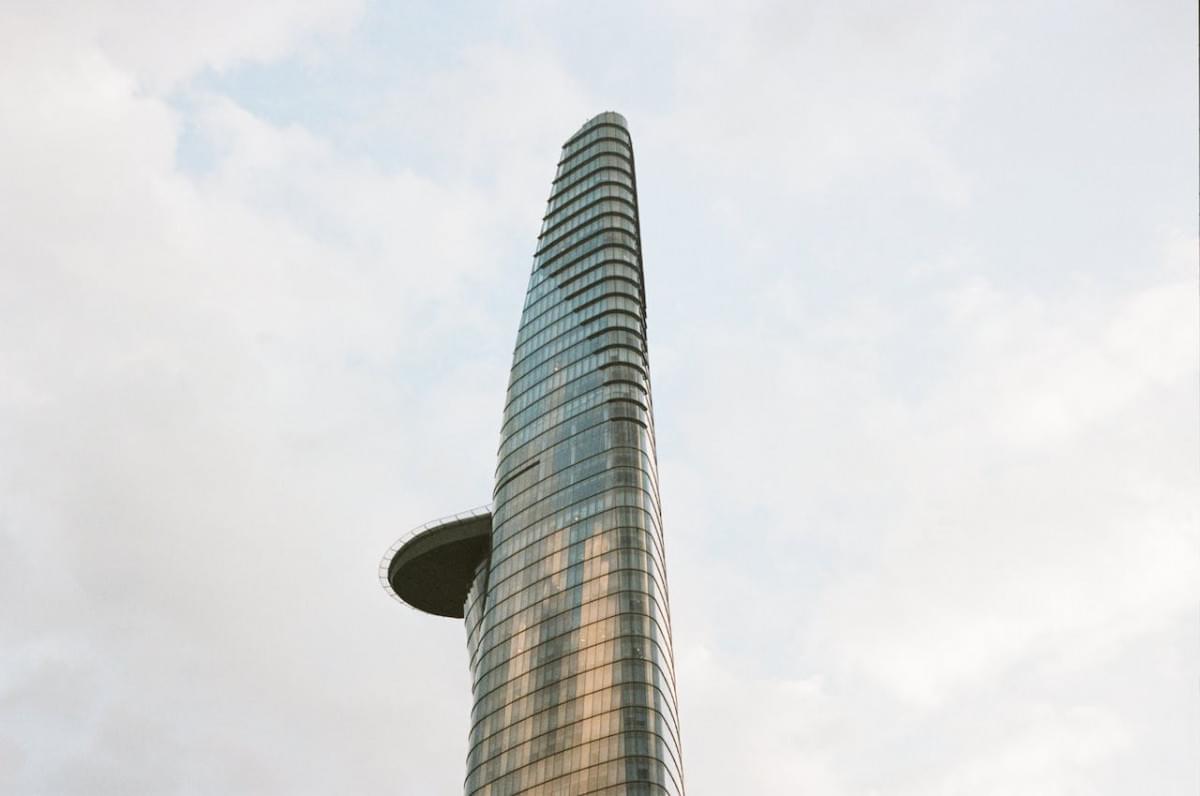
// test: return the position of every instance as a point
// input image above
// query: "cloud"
(196, 371)
(1053, 753)
(787, 721)
(160, 46)
(928, 486)
(935, 550)
(1064, 531)
(810, 97)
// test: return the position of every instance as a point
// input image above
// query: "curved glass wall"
(567, 621)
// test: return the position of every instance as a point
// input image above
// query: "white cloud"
(1055, 753)
(933, 553)
(195, 373)
(899, 498)
(786, 722)
(808, 97)
(160, 45)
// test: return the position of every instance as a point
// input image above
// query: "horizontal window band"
(490, 679)
(579, 184)
(544, 366)
(627, 542)
(622, 789)
(565, 311)
(514, 534)
(608, 278)
(545, 341)
(645, 542)
(626, 346)
(621, 762)
(476, 750)
(549, 398)
(582, 178)
(576, 153)
(599, 128)
(566, 320)
(622, 222)
(580, 386)
(616, 156)
(614, 275)
(514, 546)
(496, 643)
(655, 697)
(596, 187)
(666, 719)
(530, 565)
(634, 401)
(549, 287)
(670, 743)
(520, 424)
(621, 330)
(495, 782)
(567, 347)
(499, 536)
(511, 476)
(546, 244)
(615, 236)
(496, 647)
(636, 384)
(588, 128)
(550, 449)
(524, 426)
(544, 380)
(590, 195)
(614, 311)
(494, 698)
(668, 698)
(599, 146)
(666, 652)
(614, 773)
(606, 365)
(597, 299)
(506, 452)
(653, 550)
(581, 144)
(499, 561)
(616, 245)
(600, 488)
(487, 698)
(620, 161)
(577, 212)
(514, 424)
(535, 354)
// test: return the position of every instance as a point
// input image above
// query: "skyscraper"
(562, 584)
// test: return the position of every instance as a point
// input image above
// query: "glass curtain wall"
(567, 622)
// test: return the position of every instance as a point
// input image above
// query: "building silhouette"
(562, 583)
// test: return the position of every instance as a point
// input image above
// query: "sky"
(923, 324)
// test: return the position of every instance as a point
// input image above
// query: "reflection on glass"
(568, 623)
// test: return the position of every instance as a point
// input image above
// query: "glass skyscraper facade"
(562, 584)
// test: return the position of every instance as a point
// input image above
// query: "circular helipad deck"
(432, 570)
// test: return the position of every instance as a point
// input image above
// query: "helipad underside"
(433, 570)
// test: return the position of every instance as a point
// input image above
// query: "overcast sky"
(922, 285)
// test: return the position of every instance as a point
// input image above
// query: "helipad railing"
(386, 561)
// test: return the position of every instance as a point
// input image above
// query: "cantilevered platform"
(431, 568)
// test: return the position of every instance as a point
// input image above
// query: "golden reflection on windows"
(569, 638)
